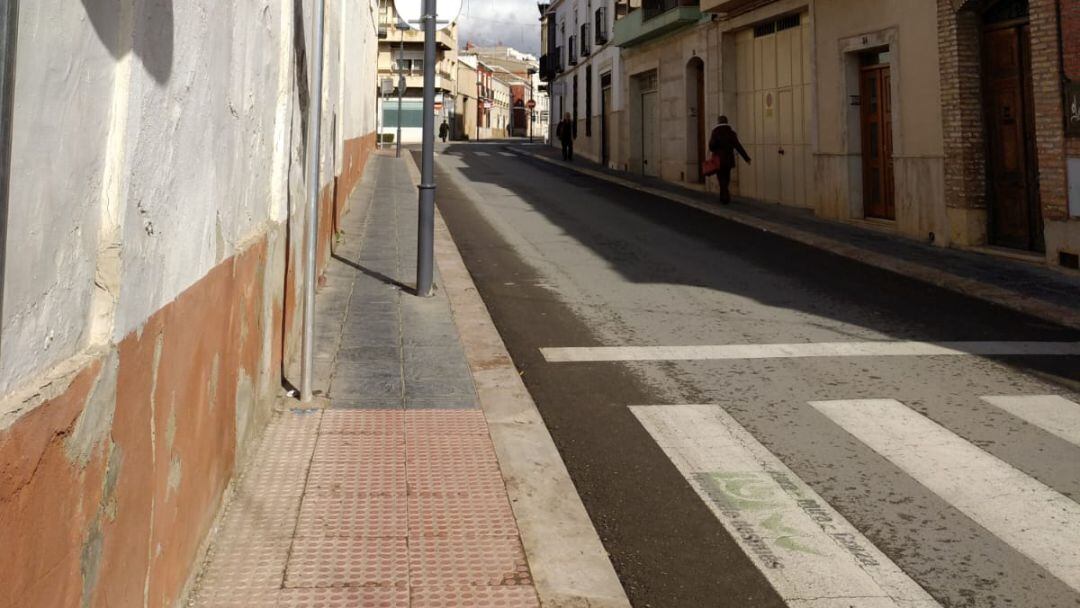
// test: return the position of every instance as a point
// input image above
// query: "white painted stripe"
(478, 153)
(507, 154)
(797, 351)
(1031, 517)
(799, 542)
(1053, 414)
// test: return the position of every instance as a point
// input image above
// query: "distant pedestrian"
(723, 144)
(567, 133)
(444, 131)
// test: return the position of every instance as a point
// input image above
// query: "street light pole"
(426, 227)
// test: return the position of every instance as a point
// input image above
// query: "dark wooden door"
(605, 116)
(876, 124)
(699, 75)
(1015, 220)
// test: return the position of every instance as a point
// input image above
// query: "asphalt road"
(701, 475)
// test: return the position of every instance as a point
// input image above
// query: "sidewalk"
(1039, 291)
(393, 495)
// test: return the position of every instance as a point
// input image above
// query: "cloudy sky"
(512, 22)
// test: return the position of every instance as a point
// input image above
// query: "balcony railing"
(655, 8)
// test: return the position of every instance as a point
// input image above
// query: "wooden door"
(605, 134)
(702, 153)
(875, 100)
(1015, 220)
(649, 166)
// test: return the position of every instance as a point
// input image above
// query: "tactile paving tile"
(439, 562)
(461, 514)
(253, 523)
(475, 596)
(363, 422)
(452, 463)
(360, 464)
(446, 422)
(348, 562)
(345, 597)
(244, 564)
(346, 514)
(372, 449)
(236, 597)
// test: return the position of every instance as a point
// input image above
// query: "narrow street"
(851, 468)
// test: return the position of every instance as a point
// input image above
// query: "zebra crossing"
(810, 553)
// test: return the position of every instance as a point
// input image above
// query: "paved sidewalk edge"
(1013, 300)
(569, 564)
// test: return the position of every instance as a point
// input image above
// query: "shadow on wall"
(153, 38)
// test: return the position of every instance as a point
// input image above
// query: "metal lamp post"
(426, 228)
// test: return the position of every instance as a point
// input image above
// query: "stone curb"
(1013, 300)
(570, 567)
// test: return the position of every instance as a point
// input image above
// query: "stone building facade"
(945, 121)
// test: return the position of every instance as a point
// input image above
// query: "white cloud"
(514, 23)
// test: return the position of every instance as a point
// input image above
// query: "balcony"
(654, 19)
(728, 6)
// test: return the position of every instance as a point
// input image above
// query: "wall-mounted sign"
(487, 104)
(1072, 109)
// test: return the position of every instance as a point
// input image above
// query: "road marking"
(1031, 517)
(806, 350)
(478, 153)
(1053, 414)
(507, 154)
(798, 541)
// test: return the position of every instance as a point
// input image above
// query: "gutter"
(9, 38)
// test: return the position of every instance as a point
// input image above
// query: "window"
(412, 114)
(572, 51)
(601, 26)
(410, 67)
(779, 25)
(574, 100)
(585, 39)
(588, 101)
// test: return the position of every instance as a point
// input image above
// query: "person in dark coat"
(567, 132)
(724, 143)
(444, 131)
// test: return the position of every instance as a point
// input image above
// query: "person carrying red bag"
(723, 144)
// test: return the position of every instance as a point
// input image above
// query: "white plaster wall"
(361, 53)
(169, 132)
(200, 136)
(62, 105)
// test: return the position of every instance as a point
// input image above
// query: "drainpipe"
(314, 145)
(9, 37)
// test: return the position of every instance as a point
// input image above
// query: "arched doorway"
(1015, 217)
(695, 119)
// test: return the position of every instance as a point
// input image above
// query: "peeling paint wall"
(152, 272)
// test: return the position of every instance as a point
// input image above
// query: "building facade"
(153, 271)
(835, 103)
(583, 69)
(401, 53)
(467, 104)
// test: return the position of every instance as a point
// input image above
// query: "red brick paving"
(348, 508)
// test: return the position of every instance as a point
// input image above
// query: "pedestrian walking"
(567, 133)
(723, 144)
(444, 131)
